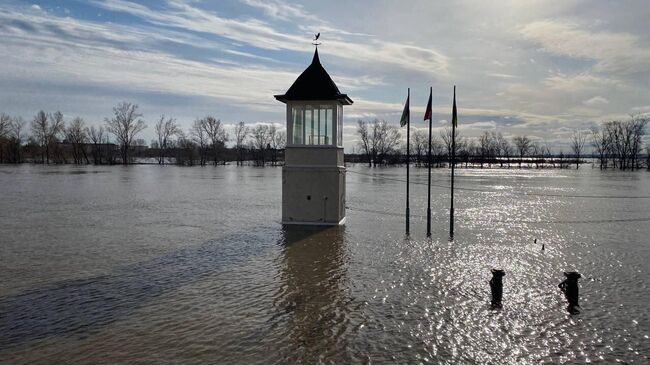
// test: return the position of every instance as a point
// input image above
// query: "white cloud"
(260, 34)
(580, 82)
(95, 61)
(596, 100)
(614, 52)
(282, 10)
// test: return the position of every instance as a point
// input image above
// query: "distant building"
(313, 177)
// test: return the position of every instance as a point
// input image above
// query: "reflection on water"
(175, 265)
(312, 294)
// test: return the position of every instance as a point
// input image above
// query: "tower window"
(312, 124)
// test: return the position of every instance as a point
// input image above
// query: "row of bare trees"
(377, 139)
(206, 141)
(44, 143)
(52, 141)
(619, 143)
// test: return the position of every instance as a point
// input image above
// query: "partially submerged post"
(313, 176)
(496, 286)
(570, 288)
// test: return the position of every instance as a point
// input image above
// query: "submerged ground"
(154, 264)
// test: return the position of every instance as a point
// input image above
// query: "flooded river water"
(171, 265)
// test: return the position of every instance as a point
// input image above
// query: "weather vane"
(316, 42)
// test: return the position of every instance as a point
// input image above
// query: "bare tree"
(216, 135)
(241, 133)
(16, 139)
(5, 125)
(561, 158)
(578, 140)
(523, 145)
(447, 139)
(536, 152)
(484, 146)
(184, 147)
(546, 152)
(97, 138)
(76, 136)
(57, 129)
(504, 149)
(377, 140)
(125, 125)
(437, 150)
(166, 128)
(365, 140)
(273, 130)
(638, 125)
(278, 140)
(601, 143)
(45, 130)
(420, 145)
(260, 142)
(40, 127)
(387, 138)
(200, 137)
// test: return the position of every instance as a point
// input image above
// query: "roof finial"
(315, 41)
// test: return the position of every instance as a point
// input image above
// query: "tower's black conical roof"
(314, 84)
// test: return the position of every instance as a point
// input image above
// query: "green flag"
(406, 113)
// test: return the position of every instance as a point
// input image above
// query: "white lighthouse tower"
(313, 176)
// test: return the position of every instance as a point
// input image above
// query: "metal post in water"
(570, 288)
(496, 288)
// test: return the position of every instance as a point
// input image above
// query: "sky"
(539, 68)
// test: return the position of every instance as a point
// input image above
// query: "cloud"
(281, 10)
(581, 82)
(501, 76)
(596, 100)
(613, 52)
(94, 59)
(259, 34)
(36, 7)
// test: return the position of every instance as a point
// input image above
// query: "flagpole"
(429, 163)
(453, 163)
(408, 144)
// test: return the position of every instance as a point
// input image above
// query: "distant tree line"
(48, 139)
(615, 143)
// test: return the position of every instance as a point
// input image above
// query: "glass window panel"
(325, 125)
(298, 124)
(309, 124)
(322, 124)
(339, 125)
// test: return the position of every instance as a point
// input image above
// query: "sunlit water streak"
(190, 265)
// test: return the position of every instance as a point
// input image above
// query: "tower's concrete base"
(313, 186)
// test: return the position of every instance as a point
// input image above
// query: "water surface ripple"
(144, 264)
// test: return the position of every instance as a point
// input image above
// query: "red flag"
(427, 114)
